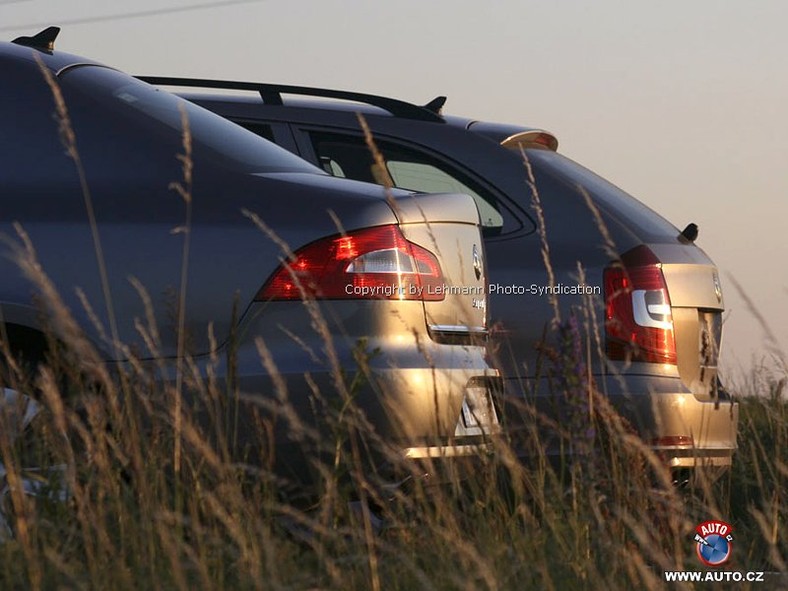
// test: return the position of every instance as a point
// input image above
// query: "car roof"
(271, 94)
(276, 97)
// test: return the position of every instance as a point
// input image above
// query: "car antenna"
(436, 104)
(45, 40)
(690, 233)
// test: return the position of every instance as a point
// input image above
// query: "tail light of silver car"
(673, 441)
(638, 318)
(373, 263)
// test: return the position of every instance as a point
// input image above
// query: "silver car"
(343, 290)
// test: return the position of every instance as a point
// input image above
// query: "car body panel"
(657, 408)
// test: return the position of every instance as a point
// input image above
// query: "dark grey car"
(343, 267)
(658, 298)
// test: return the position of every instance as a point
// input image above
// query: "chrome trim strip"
(457, 329)
(447, 451)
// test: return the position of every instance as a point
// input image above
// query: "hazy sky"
(682, 103)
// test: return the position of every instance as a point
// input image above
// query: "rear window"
(409, 168)
(647, 223)
(133, 119)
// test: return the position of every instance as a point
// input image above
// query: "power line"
(112, 17)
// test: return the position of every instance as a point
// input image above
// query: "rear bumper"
(403, 405)
(710, 426)
(683, 430)
(413, 407)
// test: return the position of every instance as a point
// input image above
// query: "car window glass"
(348, 156)
(421, 176)
(605, 195)
(332, 167)
(261, 129)
(21, 107)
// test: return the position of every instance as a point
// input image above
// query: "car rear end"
(663, 319)
(385, 319)
(339, 288)
(660, 300)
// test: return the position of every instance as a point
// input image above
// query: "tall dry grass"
(607, 516)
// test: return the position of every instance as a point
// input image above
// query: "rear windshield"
(647, 223)
(119, 108)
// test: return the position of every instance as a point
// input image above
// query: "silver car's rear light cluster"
(374, 263)
(638, 318)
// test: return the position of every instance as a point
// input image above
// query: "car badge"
(477, 263)
(717, 286)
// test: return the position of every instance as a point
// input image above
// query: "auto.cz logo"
(714, 576)
(714, 542)
(713, 546)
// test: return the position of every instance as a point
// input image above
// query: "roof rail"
(272, 95)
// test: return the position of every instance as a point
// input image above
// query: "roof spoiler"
(534, 138)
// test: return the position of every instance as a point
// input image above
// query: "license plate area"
(709, 337)
(478, 415)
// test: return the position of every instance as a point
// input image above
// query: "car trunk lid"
(696, 305)
(448, 226)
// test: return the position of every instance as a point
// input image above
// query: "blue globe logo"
(717, 552)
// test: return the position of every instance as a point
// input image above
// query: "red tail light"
(374, 263)
(638, 318)
(674, 441)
